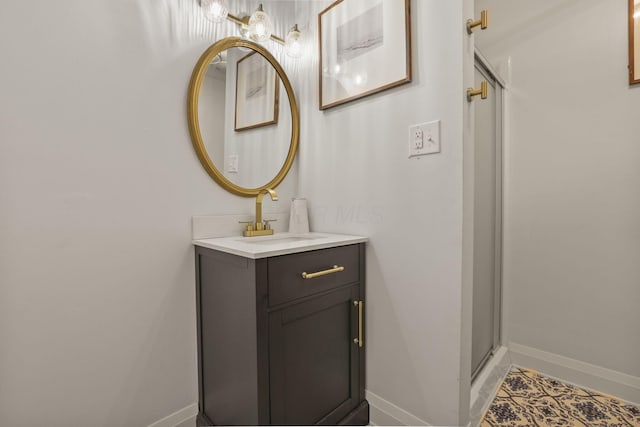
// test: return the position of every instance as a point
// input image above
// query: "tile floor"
(527, 398)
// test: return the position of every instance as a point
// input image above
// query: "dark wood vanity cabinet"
(276, 348)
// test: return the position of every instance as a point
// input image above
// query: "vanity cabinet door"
(314, 364)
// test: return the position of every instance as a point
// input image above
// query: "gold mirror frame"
(194, 123)
(634, 50)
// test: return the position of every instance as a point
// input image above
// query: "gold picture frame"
(257, 93)
(634, 42)
(361, 50)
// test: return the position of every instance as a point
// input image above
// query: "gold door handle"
(471, 92)
(483, 22)
(359, 341)
(335, 269)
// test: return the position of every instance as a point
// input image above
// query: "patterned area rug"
(527, 398)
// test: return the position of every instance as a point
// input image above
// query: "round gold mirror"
(243, 116)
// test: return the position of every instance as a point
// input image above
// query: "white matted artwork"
(256, 93)
(365, 48)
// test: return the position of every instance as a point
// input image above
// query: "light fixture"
(293, 42)
(256, 27)
(220, 60)
(259, 25)
(215, 10)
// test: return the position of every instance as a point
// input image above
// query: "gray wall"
(98, 184)
(572, 234)
(356, 174)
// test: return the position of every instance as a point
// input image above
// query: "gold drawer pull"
(335, 269)
(359, 341)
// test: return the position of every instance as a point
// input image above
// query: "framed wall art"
(365, 48)
(257, 93)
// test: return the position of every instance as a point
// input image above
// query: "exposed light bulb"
(259, 25)
(215, 10)
(293, 42)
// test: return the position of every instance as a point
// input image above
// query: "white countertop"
(277, 244)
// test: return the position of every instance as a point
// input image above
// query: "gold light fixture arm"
(483, 22)
(483, 91)
(277, 39)
(240, 21)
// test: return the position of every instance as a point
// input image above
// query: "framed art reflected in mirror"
(634, 42)
(256, 93)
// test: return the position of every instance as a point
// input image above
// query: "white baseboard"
(382, 413)
(385, 413)
(582, 374)
(177, 417)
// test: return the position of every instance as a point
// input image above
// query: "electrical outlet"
(418, 139)
(424, 139)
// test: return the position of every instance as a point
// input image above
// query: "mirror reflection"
(245, 117)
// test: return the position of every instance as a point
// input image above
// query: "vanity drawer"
(285, 272)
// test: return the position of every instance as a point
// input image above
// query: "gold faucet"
(260, 228)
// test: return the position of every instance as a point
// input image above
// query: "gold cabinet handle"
(359, 341)
(483, 91)
(335, 269)
(483, 22)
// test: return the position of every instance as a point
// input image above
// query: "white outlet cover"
(430, 139)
